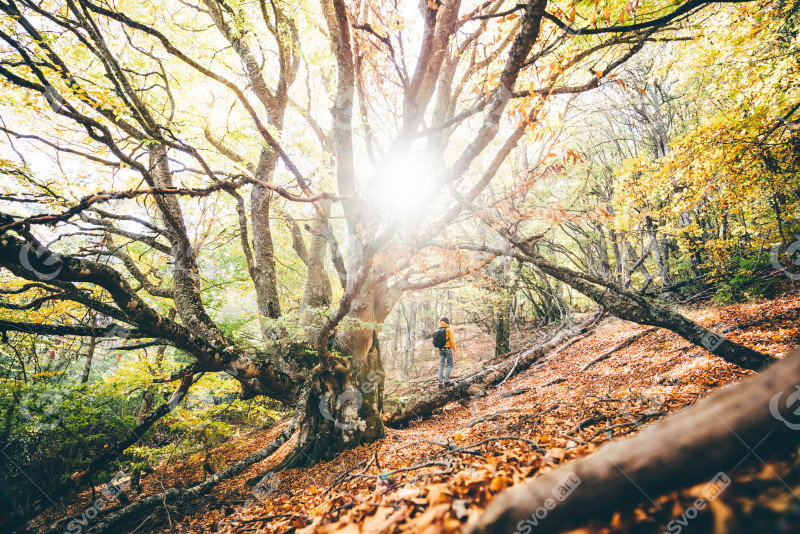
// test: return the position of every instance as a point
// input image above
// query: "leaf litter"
(439, 472)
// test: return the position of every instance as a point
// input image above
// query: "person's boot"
(441, 386)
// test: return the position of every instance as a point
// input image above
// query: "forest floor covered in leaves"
(437, 473)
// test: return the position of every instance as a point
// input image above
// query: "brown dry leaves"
(564, 420)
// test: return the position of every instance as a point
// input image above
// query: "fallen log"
(400, 411)
(697, 444)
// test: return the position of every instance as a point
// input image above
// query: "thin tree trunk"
(661, 264)
(89, 357)
(395, 345)
(605, 266)
(642, 267)
(617, 255)
(625, 268)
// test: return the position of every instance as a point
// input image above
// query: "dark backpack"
(440, 337)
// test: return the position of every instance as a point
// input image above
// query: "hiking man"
(443, 340)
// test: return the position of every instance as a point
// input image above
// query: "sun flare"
(404, 186)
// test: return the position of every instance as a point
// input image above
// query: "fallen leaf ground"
(437, 473)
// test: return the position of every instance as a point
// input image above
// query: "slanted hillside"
(438, 473)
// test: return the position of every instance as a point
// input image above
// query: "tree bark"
(686, 448)
(333, 416)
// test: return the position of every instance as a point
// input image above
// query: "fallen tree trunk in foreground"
(698, 444)
(178, 497)
(400, 411)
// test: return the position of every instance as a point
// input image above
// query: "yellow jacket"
(450, 340)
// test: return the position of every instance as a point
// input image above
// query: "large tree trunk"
(333, 416)
(698, 444)
(339, 405)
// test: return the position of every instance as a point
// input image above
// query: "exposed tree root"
(689, 447)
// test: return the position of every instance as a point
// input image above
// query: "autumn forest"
(388, 267)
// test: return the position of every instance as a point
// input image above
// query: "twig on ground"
(489, 417)
(644, 417)
(553, 382)
(347, 474)
(514, 393)
(592, 420)
(619, 347)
